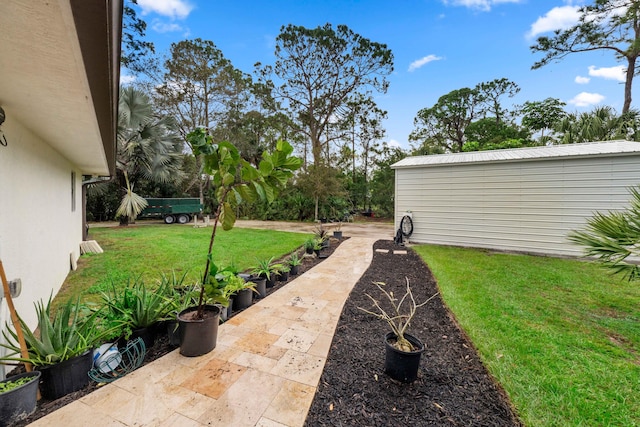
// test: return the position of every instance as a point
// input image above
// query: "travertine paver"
(263, 372)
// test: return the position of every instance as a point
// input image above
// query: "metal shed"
(523, 200)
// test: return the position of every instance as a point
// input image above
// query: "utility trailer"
(172, 210)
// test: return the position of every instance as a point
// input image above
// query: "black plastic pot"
(148, 335)
(20, 402)
(261, 286)
(283, 276)
(173, 332)
(198, 336)
(242, 299)
(295, 269)
(337, 235)
(271, 281)
(401, 365)
(66, 377)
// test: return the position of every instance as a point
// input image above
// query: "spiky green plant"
(66, 335)
(614, 237)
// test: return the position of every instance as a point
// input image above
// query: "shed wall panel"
(527, 206)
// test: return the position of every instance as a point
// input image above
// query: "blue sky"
(438, 45)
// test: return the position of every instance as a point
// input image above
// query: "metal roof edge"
(580, 150)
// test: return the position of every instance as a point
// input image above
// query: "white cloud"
(394, 144)
(423, 61)
(165, 27)
(609, 73)
(558, 18)
(125, 79)
(484, 5)
(582, 80)
(586, 99)
(170, 8)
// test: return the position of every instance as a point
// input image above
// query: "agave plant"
(136, 306)
(66, 335)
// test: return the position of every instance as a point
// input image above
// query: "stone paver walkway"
(263, 371)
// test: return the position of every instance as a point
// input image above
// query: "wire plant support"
(120, 363)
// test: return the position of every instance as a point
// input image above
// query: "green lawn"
(151, 250)
(561, 336)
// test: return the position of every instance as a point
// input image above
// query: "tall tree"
(135, 49)
(607, 25)
(382, 182)
(443, 125)
(492, 92)
(197, 87)
(148, 147)
(317, 71)
(542, 115)
(366, 131)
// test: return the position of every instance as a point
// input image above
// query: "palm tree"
(149, 147)
(613, 237)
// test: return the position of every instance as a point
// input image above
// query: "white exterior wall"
(527, 206)
(38, 230)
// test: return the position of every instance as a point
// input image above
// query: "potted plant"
(337, 231)
(235, 180)
(241, 291)
(309, 245)
(61, 350)
(318, 246)
(138, 309)
(18, 397)
(263, 269)
(294, 264)
(283, 272)
(322, 236)
(403, 351)
(260, 284)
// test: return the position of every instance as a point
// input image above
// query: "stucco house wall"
(522, 200)
(39, 229)
(59, 80)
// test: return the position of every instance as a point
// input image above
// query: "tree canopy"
(317, 71)
(607, 25)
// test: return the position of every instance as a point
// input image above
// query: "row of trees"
(472, 119)
(319, 95)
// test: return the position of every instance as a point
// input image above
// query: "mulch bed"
(160, 348)
(453, 387)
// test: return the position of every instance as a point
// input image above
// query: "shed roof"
(587, 149)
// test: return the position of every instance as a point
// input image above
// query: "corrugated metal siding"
(525, 206)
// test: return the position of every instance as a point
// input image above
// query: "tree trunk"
(631, 67)
(316, 209)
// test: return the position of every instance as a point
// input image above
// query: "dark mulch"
(159, 349)
(453, 387)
